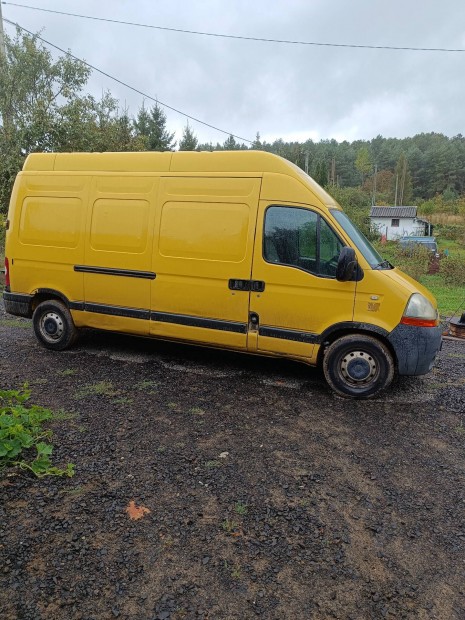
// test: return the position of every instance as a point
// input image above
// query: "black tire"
(53, 325)
(358, 366)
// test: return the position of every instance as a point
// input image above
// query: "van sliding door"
(202, 258)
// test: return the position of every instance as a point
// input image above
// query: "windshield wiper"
(385, 264)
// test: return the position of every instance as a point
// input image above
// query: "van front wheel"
(358, 366)
(53, 325)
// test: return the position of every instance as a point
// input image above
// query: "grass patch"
(147, 385)
(240, 508)
(450, 298)
(68, 372)
(213, 464)
(102, 388)
(15, 323)
(229, 525)
(24, 442)
(197, 411)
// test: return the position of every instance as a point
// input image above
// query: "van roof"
(151, 161)
(228, 162)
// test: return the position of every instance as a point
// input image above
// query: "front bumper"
(18, 304)
(416, 348)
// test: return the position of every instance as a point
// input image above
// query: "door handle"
(256, 286)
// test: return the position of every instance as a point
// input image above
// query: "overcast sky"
(294, 92)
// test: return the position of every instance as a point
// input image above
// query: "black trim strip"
(130, 313)
(196, 321)
(110, 271)
(20, 298)
(289, 334)
(77, 305)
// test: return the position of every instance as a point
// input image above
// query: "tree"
(230, 144)
(36, 95)
(150, 126)
(188, 141)
(363, 162)
(256, 144)
(321, 173)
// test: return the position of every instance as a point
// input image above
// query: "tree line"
(43, 108)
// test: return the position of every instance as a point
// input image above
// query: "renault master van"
(237, 250)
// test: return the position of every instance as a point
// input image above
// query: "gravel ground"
(269, 496)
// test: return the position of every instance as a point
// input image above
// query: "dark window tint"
(300, 238)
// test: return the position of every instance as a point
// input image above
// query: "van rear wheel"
(358, 366)
(53, 325)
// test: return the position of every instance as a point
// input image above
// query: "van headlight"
(420, 312)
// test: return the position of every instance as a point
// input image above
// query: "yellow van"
(238, 250)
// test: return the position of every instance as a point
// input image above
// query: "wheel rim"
(358, 368)
(51, 327)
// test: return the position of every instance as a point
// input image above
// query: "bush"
(413, 260)
(454, 232)
(453, 271)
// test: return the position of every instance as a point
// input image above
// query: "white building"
(395, 222)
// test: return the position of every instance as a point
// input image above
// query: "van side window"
(300, 238)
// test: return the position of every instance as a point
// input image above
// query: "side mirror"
(346, 265)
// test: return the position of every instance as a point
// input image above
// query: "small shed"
(395, 222)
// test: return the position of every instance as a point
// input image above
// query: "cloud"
(292, 92)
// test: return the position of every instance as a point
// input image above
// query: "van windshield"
(374, 259)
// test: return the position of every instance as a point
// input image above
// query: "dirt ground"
(269, 496)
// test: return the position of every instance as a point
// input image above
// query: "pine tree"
(160, 139)
(188, 141)
(151, 126)
(256, 144)
(321, 173)
(230, 144)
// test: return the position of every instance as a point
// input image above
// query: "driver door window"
(300, 238)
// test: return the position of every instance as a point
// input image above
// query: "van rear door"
(295, 259)
(202, 258)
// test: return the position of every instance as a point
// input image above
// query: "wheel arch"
(338, 330)
(45, 294)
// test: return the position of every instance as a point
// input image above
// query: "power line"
(136, 90)
(238, 37)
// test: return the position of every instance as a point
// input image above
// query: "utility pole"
(373, 200)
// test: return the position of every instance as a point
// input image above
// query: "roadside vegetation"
(24, 441)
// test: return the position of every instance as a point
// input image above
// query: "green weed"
(15, 323)
(23, 440)
(75, 491)
(229, 525)
(40, 381)
(123, 400)
(145, 385)
(240, 508)
(65, 415)
(197, 411)
(102, 388)
(212, 464)
(68, 372)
